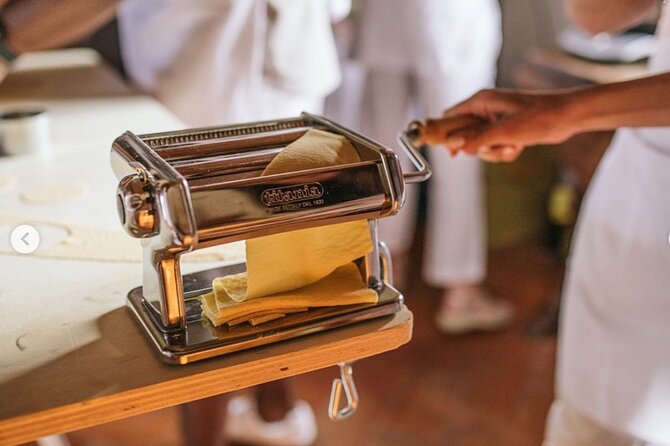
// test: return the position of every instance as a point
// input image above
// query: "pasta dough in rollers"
(293, 271)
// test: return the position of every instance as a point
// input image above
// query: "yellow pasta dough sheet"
(316, 148)
(293, 271)
(342, 287)
(291, 260)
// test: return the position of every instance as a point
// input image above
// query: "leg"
(385, 113)
(270, 416)
(274, 400)
(202, 421)
(456, 249)
(455, 252)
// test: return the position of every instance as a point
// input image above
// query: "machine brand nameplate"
(295, 194)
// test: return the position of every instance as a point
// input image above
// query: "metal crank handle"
(346, 383)
(422, 172)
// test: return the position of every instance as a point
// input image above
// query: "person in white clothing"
(421, 55)
(214, 62)
(613, 369)
(217, 62)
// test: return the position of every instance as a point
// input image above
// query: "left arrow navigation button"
(25, 239)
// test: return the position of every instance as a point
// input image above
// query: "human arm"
(515, 120)
(596, 16)
(33, 25)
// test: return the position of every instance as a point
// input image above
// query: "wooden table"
(71, 356)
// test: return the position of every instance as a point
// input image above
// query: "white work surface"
(71, 356)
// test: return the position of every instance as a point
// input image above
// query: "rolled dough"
(342, 287)
(7, 183)
(54, 193)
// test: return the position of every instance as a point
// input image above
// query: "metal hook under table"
(346, 382)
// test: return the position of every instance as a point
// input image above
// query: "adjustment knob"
(135, 204)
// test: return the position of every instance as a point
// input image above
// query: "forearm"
(514, 120)
(42, 24)
(639, 103)
(597, 16)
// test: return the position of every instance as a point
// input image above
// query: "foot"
(470, 309)
(245, 425)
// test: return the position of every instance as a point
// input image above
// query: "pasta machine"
(187, 190)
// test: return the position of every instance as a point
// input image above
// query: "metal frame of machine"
(186, 190)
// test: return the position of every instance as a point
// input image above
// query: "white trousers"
(567, 427)
(455, 239)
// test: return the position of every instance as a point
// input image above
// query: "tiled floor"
(487, 389)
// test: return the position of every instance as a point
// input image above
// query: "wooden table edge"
(304, 356)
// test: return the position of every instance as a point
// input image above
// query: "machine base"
(201, 340)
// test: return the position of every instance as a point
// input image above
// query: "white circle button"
(25, 239)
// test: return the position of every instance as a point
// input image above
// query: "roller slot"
(237, 144)
(223, 165)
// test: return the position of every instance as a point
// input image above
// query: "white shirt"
(219, 61)
(614, 345)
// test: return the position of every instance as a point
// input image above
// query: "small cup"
(24, 131)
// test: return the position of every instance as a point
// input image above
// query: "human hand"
(511, 122)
